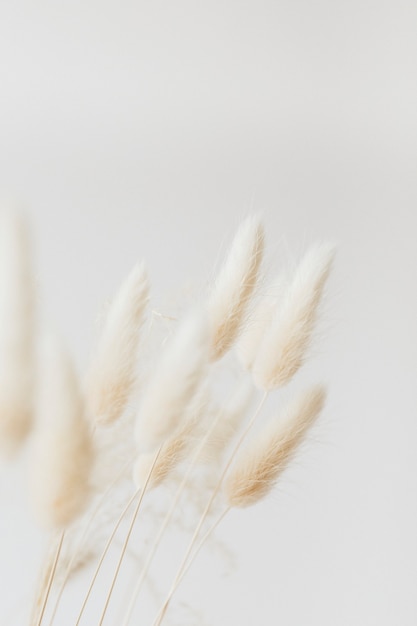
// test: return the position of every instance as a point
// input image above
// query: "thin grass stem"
(200, 544)
(83, 535)
(206, 511)
(103, 555)
(51, 578)
(132, 523)
(168, 518)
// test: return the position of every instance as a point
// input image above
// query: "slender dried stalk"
(235, 405)
(259, 466)
(17, 333)
(50, 579)
(285, 344)
(104, 553)
(206, 511)
(193, 556)
(174, 384)
(234, 286)
(129, 533)
(86, 528)
(113, 372)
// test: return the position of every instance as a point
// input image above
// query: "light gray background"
(147, 130)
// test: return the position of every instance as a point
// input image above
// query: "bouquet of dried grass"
(138, 424)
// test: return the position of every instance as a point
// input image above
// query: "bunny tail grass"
(285, 343)
(174, 384)
(113, 371)
(234, 286)
(258, 322)
(175, 448)
(172, 453)
(207, 509)
(17, 360)
(259, 466)
(62, 450)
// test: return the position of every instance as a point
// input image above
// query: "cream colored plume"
(259, 466)
(174, 383)
(62, 449)
(253, 332)
(17, 359)
(285, 343)
(113, 372)
(231, 293)
(172, 453)
(175, 447)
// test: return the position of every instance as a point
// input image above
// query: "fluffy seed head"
(113, 371)
(174, 383)
(17, 360)
(285, 343)
(260, 465)
(234, 286)
(172, 453)
(62, 450)
(175, 448)
(257, 324)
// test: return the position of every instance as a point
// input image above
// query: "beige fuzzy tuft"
(175, 448)
(113, 372)
(251, 337)
(285, 343)
(234, 286)
(259, 466)
(174, 383)
(17, 360)
(62, 450)
(172, 453)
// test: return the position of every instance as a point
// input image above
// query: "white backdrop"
(147, 130)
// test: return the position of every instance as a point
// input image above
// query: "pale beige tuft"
(175, 449)
(252, 335)
(174, 383)
(260, 465)
(234, 286)
(113, 372)
(172, 453)
(17, 359)
(285, 343)
(62, 450)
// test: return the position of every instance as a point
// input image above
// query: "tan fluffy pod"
(62, 449)
(284, 345)
(173, 384)
(234, 286)
(257, 468)
(259, 321)
(17, 359)
(113, 373)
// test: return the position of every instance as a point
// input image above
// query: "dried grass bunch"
(101, 448)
